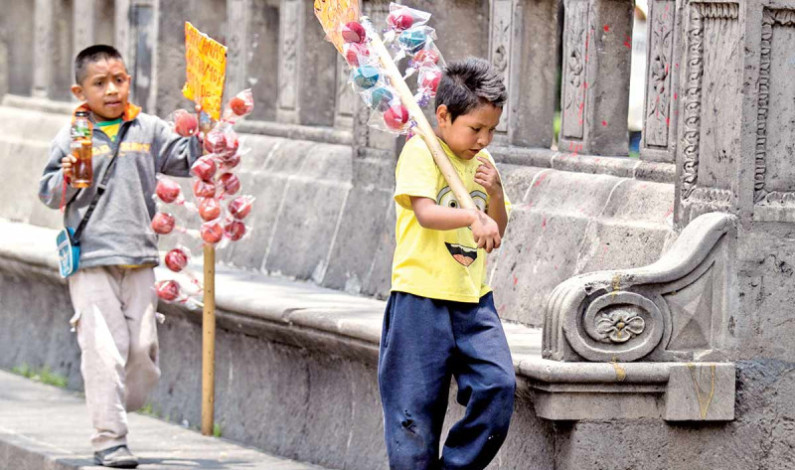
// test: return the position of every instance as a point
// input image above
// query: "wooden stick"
(208, 342)
(424, 128)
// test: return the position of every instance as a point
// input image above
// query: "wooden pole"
(424, 128)
(208, 342)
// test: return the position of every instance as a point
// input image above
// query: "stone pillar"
(664, 59)
(121, 29)
(597, 43)
(42, 48)
(253, 53)
(710, 111)
(524, 47)
(84, 24)
(307, 67)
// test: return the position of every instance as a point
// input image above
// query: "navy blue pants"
(425, 342)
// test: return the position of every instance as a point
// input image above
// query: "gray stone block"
(692, 389)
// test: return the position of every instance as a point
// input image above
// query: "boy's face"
(105, 88)
(470, 132)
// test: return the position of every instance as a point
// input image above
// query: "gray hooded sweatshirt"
(119, 231)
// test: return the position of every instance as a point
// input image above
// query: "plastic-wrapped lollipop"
(209, 209)
(414, 40)
(396, 117)
(203, 188)
(177, 259)
(168, 190)
(240, 206)
(169, 290)
(402, 17)
(185, 123)
(231, 162)
(356, 53)
(428, 80)
(204, 168)
(234, 230)
(381, 98)
(232, 144)
(230, 183)
(427, 56)
(353, 32)
(365, 76)
(212, 232)
(215, 141)
(163, 223)
(242, 104)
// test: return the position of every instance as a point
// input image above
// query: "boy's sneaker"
(116, 457)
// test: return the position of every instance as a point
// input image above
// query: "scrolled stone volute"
(670, 310)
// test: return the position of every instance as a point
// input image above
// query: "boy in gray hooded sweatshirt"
(112, 292)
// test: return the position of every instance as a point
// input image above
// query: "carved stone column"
(597, 43)
(43, 39)
(253, 51)
(523, 46)
(664, 61)
(307, 68)
(710, 129)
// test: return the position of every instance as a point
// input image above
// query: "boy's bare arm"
(433, 216)
(488, 177)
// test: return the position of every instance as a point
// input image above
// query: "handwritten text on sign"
(205, 70)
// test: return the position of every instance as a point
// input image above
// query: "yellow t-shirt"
(437, 264)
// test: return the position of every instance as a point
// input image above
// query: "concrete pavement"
(46, 428)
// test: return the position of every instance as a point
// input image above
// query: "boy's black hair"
(469, 83)
(92, 54)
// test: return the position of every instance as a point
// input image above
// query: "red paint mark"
(667, 68)
(544, 223)
(667, 122)
(540, 179)
(670, 211)
(585, 85)
(502, 307)
(607, 28)
(627, 45)
(676, 96)
(515, 280)
(676, 65)
(604, 123)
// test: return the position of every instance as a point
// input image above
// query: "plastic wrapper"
(204, 168)
(234, 229)
(241, 104)
(365, 77)
(353, 33)
(356, 54)
(401, 17)
(185, 123)
(230, 183)
(209, 209)
(163, 223)
(170, 291)
(415, 40)
(212, 232)
(168, 190)
(177, 259)
(215, 140)
(203, 189)
(240, 206)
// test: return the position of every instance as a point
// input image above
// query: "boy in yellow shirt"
(440, 321)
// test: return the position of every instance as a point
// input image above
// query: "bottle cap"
(81, 113)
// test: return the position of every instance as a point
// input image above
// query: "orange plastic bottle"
(82, 148)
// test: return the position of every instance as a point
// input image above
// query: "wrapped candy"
(353, 32)
(234, 230)
(413, 40)
(167, 190)
(401, 17)
(209, 209)
(185, 123)
(231, 162)
(163, 223)
(204, 168)
(240, 206)
(212, 232)
(242, 104)
(215, 141)
(381, 98)
(427, 56)
(169, 291)
(396, 117)
(203, 188)
(230, 183)
(356, 53)
(365, 76)
(428, 80)
(177, 259)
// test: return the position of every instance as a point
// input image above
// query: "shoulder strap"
(102, 184)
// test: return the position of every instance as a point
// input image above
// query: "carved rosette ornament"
(619, 326)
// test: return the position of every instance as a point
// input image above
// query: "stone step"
(46, 428)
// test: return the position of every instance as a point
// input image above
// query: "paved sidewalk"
(46, 428)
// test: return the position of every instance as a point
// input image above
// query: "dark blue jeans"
(425, 342)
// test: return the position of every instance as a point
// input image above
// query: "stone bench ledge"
(308, 316)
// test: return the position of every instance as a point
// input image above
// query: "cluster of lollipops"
(407, 35)
(216, 190)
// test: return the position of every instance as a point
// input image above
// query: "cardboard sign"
(333, 14)
(205, 70)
